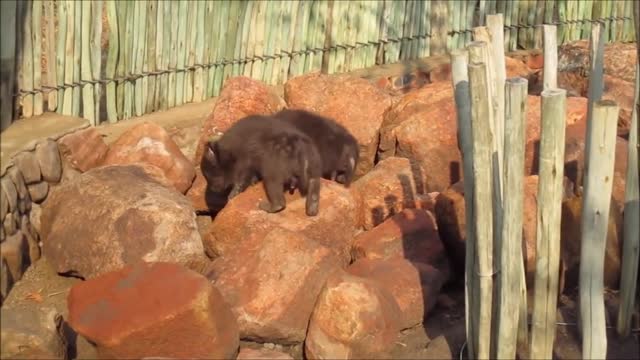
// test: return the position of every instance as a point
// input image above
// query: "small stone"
(15, 251)
(24, 204)
(84, 149)
(10, 193)
(6, 281)
(49, 159)
(2, 234)
(263, 354)
(18, 180)
(32, 238)
(34, 217)
(28, 165)
(28, 334)
(9, 224)
(153, 309)
(38, 191)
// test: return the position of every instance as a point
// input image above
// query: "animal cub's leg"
(313, 197)
(242, 178)
(276, 201)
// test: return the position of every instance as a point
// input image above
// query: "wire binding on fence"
(291, 54)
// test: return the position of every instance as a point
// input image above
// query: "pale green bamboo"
(251, 39)
(455, 13)
(539, 19)
(548, 11)
(239, 15)
(96, 55)
(620, 7)
(439, 27)
(141, 61)
(491, 7)
(426, 43)
(121, 12)
(36, 30)
(19, 56)
(310, 39)
(587, 13)
(508, 10)
(173, 52)
(301, 20)
(482, 12)
(220, 46)
(418, 29)
(289, 25)
(52, 97)
(60, 51)
(584, 8)
(88, 103)
(561, 6)
(405, 50)
(25, 72)
(353, 30)
(211, 19)
(159, 55)
(320, 34)
(129, 58)
(262, 39)
(339, 22)
(199, 79)
(112, 60)
(167, 32)
(77, 52)
(305, 33)
(469, 20)
(513, 36)
(181, 51)
(628, 24)
(151, 51)
(246, 21)
(190, 51)
(394, 31)
(608, 23)
(375, 9)
(575, 15)
(524, 9)
(274, 65)
(67, 104)
(135, 10)
(270, 32)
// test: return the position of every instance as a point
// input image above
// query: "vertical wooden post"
(150, 53)
(631, 244)
(77, 56)
(26, 45)
(509, 285)
(481, 121)
(69, 47)
(439, 27)
(50, 15)
(112, 59)
(550, 57)
(96, 54)
(88, 105)
(181, 51)
(36, 32)
(460, 78)
(7, 61)
(596, 75)
(552, 142)
(599, 161)
(61, 41)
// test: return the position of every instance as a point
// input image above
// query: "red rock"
(240, 96)
(353, 102)
(153, 309)
(272, 284)
(150, 143)
(412, 234)
(415, 286)
(354, 318)
(84, 149)
(393, 184)
(262, 354)
(127, 215)
(535, 61)
(241, 220)
(622, 93)
(571, 239)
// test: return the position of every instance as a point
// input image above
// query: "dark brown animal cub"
(338, 149)
(269, 149)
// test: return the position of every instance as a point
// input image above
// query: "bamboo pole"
(172, 78)
(415, 30)
(251, 39)
(552, 140)
(280, 34)
(181, 51)
(121, 12)
(190, 44)
(149, 85)
(141, 84)
(8, 16)
(301, 21)
(77, 57)
(96, 55)
(481, 121)
(406, 31)
(88, 104)
(354, 34)
(631, 237)
(439, 27)
(112, 60)
(373, 29)
(539, 19)
(455, 14)
(288, 25)
(550, 57)
(199, 80)
(69, 41)
(36, 31)
(586, 27)
(26, 72)
(50, 16)
(508, 9)
(265, 46)
(513, 37)
(599, 161)
(426, 42)
(524, 11)
(60, 52)
(239, 13)
(161, 60)
(319, 36)
(219, 54)
(257, 66)
(460, 78)
(211, 23)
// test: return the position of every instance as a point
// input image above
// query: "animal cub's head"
(347, 164)
(213, 167)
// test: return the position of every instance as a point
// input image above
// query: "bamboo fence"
(150, 55)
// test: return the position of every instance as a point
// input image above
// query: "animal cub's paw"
(268, 207)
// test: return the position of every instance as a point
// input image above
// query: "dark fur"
(268, 149)
(338, 149)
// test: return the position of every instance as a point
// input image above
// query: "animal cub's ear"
(211, 152)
